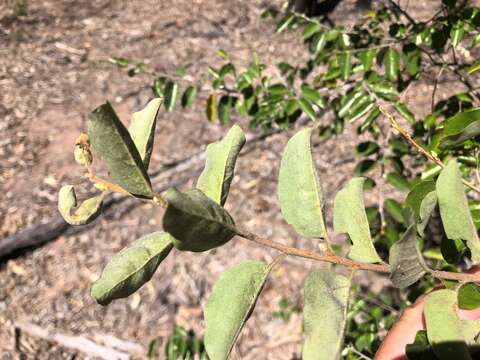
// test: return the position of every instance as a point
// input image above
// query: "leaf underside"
(132, 267)
(142, 129)
(350, 217)
(85, 213)
(218, 173)
(456, 217)
(444, 328)
(299, 190)
(325, 314)
(232, 301)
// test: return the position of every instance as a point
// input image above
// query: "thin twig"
(433, 158)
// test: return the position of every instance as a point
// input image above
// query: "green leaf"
(313, 96)
(230, 305)
(474, 67)
(119, 61)
(420, 349)
(348, 101)
(142, 129)
(469, 296)
(363, 167)
(196, 222)
(367, 58)
(211, 109)
(391, 62)
(277, 89)
(285, 22)
(406, 261)
(307, 108)
(367, 148)
(132, 267)
(456, 218)
(422, 200)
(310, 29)
(188, 96)
(218, 173)
(394, 209)
(86, 212)
(325, 314)
(413, 58)
(384, 89)
(398, 181)
(318, 42)
(457, 33)
(301, 198)
(226, 69)
(112, 143)
(224, 108)
(349, 217)
(405, 112)
(171, 95)
(444, 329)
(345, 60)
(462, 126)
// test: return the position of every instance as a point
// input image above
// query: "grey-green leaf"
(444, 328)
(406, 260)
(232, 301)
(132, 267)
(196, 222)
(456, 217)
(299, 190)
(218, 173)
(142, 129)
(112, 143)
(325, 314)
(86, 212)
(349, 217)
(422, 200)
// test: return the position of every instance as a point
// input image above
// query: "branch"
(338, 260)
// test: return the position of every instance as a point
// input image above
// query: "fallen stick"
(77, 343)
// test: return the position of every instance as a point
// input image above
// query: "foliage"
(361, 75)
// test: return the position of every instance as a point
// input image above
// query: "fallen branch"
(76, 343)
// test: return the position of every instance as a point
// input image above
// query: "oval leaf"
(86, 212)
(456, 217)
(406, 260)
(171, 95)
(325, 314)
(142, 129)
(196, 222)
(461, 127)
(299, 190)
(391, 62)
(112, 143)
(188, 96)
(211, 108)
(230, 305)
(218, 173)
(444, 328)
(349, 217)
(132, 267)
(422, 200)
